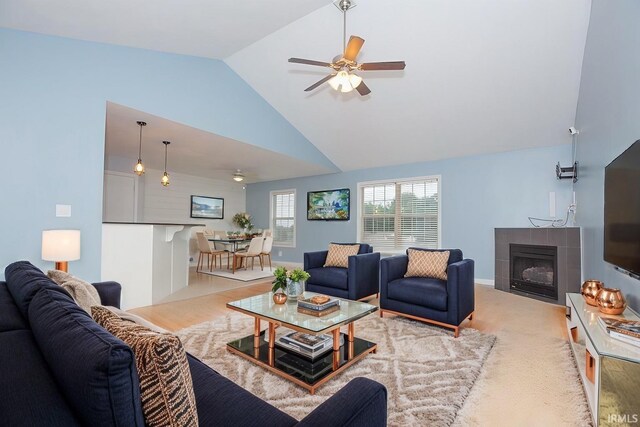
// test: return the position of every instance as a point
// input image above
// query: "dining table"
(234, 246)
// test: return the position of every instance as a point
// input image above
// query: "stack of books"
(307, 345)
(624, 330)
(318, 305)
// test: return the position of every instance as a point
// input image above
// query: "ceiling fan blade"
(353, 48)
(310, 62)
(390, 65)
(318, 83)
(363, 89)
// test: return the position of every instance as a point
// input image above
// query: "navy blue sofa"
(445, 303)
(60, 368)
(360, 280)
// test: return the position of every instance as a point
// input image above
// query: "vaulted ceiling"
(482, 75)
(207, 28)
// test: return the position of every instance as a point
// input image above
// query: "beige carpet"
(427, 372)
(543, 389)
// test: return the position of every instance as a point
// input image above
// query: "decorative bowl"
(611, 301)
(279, 297)
(590, 289)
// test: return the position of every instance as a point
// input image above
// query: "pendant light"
(165, 176)
(139, 167)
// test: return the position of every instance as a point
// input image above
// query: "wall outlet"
(279, 253)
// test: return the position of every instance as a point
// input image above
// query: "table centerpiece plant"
(243, 221)
(288, 282)
(295, 284)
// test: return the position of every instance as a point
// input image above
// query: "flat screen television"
(328, 205)
(622, 210)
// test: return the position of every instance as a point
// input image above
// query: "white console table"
(609, 369)
(150, 261)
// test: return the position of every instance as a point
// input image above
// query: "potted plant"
(279, 285)
(295, 285)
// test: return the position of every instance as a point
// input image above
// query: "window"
(283, 219)
(395, 215)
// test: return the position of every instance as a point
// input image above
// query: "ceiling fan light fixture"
(238, 176)
(342, 82)
(355, 80)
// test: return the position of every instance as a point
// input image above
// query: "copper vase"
(590, 289)
(611, 301)
(279, 297)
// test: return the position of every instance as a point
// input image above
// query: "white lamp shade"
(61, 245)
(342, 82)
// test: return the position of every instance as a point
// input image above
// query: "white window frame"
(363, 184)
(295, 221)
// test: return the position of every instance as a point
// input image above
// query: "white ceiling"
(482, 76)
(208, 28)
(192, 151)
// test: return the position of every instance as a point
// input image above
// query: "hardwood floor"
(177, 315)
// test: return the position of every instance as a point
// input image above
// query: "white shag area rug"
(427, 372)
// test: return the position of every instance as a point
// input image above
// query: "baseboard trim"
(485, 282)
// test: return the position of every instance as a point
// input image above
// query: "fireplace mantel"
(565, 239)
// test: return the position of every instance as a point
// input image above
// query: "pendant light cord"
(165, 157)
(140, 144)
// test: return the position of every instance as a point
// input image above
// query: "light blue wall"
(53, 94)
(479, 193)
(608, 117)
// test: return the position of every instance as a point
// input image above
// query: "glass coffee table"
(307, 373)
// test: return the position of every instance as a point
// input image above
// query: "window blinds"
(397, 215)
(283, 218)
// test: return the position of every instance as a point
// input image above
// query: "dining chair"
(266, 249)
(205, 248)
(224, 247)
(254, 251)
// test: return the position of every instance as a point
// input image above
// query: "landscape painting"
(207, 207)
(329, 205)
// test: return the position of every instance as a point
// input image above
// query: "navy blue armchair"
(445, 303)
(109, 293)
(360, 280)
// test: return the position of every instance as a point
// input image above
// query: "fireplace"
(534, 269)
(561, 242)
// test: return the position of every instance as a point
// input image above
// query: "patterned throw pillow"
(338, 255)
(83, 293)
(427, 264)
(166, 389)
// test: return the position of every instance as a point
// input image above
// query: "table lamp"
(61, 246)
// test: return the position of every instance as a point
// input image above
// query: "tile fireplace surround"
(565, 239)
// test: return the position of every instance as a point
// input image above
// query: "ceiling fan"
(343, 77)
